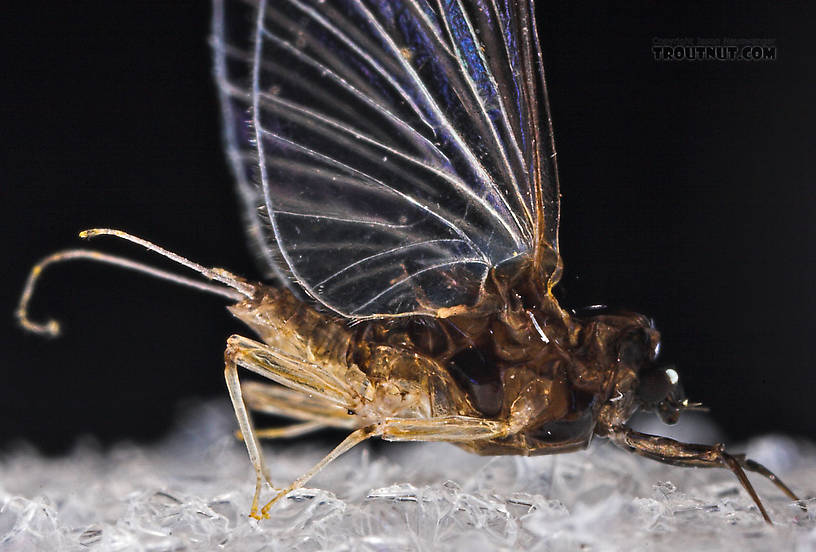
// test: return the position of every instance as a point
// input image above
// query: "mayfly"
(396, 164)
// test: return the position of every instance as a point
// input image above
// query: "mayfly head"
(659, 388)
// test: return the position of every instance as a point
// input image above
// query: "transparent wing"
(388, 152)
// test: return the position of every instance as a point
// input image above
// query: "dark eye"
(477, 375)
(656, 383)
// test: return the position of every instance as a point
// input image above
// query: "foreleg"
(676, 453)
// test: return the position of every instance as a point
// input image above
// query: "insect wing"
(388, 152)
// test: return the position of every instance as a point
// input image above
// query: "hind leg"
(451, 429)
(355, 438)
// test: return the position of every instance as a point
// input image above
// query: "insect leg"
(278, 400)
(676, 453)
(247, 431)
(355, 438)
(284, 432)
(756, 467)
(445, 428)
(290, 372)
(448, 428)
(299, 376)
(281, 401)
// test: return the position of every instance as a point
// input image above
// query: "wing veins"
(452, 179)
(236, 91)
(339, 137)
(438, 112)
(369, 178)
(235, 153)
(414, 275)
(364, 56)
(355, 92)
(468, 191)
(259, 31)
(499, 143)
(387, 252)
(506, 117)
(551, 139)
(463, 148)
(367, 222)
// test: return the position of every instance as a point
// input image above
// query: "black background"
(688, 195)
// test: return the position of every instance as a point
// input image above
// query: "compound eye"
(656, 384)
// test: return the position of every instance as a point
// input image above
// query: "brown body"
(527, 364)
(513, 374)
(527, 356)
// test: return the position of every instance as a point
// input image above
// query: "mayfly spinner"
(397, 167)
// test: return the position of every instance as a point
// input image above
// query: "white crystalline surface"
(193, 492)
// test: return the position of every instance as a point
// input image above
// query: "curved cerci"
(389, 153)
